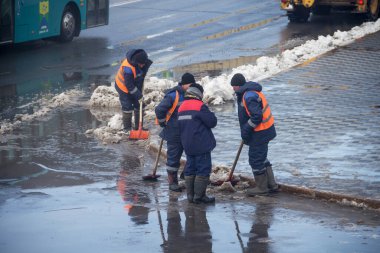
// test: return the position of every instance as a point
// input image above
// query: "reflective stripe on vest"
(172, 109)
(267, 120)
(120, 82)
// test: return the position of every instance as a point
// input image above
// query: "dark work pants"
(257, 156)
(174, 153)
(199, 165)
(128, 102)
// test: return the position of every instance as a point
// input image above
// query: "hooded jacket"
(195, 121)
(255, 108)
(134, 83)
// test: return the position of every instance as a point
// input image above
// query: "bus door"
(6, 21)
(30, 19)
(97, 12)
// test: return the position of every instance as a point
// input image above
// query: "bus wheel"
(68, 25)
(373, 10)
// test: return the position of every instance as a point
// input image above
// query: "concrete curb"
(304, 191)
(330, 196)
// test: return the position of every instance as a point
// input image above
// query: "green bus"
(26, 20)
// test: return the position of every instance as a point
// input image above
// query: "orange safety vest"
(120, 81)
(268, 119)
(172, 109)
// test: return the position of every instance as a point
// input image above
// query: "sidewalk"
(327, 116)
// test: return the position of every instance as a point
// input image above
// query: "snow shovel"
(139, 134)
(153, 176)
(230, 177)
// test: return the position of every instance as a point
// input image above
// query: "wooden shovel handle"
(236, 160)
(158, 157)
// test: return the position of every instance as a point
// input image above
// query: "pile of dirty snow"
(112, 133)
(42, 108)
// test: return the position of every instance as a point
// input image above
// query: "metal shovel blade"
(151, 177)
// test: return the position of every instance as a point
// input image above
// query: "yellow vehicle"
(299, 10)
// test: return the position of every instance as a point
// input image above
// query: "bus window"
(97, 12)
(6, 12)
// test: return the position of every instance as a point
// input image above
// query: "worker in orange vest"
(129, 84)
(167, 114)
(257, 130)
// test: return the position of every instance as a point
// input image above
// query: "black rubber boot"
(127, 121)
(272, 185)
(189, 181)
(200, 186)
(173, 181)
(261, 186)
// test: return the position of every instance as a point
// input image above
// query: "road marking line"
(168, 49)
(241, 28)
(159, 34)
(160, 18)
(204, 22)
(124, 3)
(215, 19)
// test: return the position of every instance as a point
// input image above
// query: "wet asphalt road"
(63, 191)
(178, 35)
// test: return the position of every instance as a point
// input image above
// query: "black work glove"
(162, 124)
(246, 132)
(147, 66)
(138, 95)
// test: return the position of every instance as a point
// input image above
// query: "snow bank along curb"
(217, 90)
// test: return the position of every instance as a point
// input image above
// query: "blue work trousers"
(128, 102)
(174, 153)
(198, 165)
(257, 156)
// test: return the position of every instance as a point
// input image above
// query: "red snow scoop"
(230, 177)
(139, 134)
(153, 176)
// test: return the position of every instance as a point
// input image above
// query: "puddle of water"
(107, 222)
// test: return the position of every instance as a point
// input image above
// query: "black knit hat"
(195, 90)
(141, 57)
(238, 80)
(187, 78)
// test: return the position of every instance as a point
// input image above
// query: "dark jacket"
(195, 121)
(171, 131)
(255, 107)
(130, 82)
